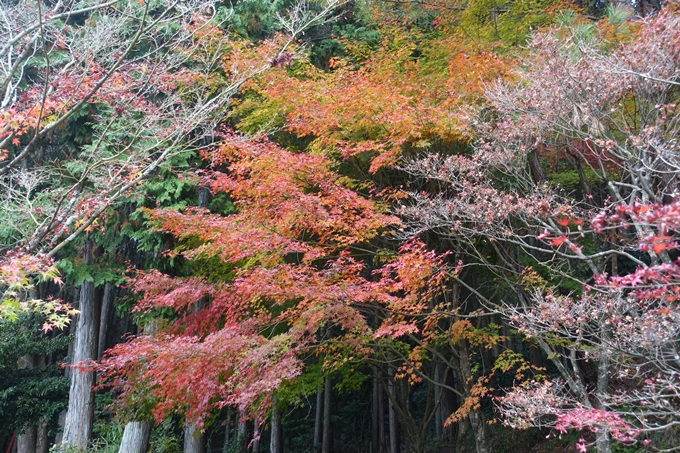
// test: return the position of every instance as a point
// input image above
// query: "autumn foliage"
(292, 237)
(469, 206)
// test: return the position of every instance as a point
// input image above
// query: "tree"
(293, 236)
(600, 98)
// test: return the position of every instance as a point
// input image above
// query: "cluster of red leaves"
(232, 366)
(595, 420)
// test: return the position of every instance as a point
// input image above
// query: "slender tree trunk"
(227, 431)
(375, 414)
(326, 439)
(242, 432)
(479, 428)
(602, 441)
(61, 420)
(446, 401)
(105, 319)
(318, 420)
(463, 426)
(476, 420)
(12, 440)
(80, 414)
(381, 422)
(137, 434)
(602, 436)
(136, 437)
(42, 444)
(275, 445)
(26, 442)
(194, 441)
(394, 435)
(439, 416)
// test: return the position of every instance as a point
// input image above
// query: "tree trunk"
(479, 428)
(194, 441)
(136, 437)
(381, 422)
(602, 436)
(61, 420)
(275, 445)
(394, 435)
(105, 318)
(476, 420)
(535, 167)
(439, 416)
(80, 414)
(326, 439)
(375, 414)
(241, 438)
(463, 426)
(26, 441)
(602, 441)
(446, 401)
(318, 421)
(227, 431)
(42, 444)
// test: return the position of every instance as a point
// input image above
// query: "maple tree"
(292, 237)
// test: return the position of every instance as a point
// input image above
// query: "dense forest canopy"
(331, 226)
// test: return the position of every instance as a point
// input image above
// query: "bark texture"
(275, 444)
(136, 437)
(375, 413)
(394, 435)
(42, 444)
(194, 441)
(80, 414)
(326, 440)
(318, 421)
(26, 441)
(105, 319)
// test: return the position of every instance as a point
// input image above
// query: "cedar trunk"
(80, 414)
(105, 319)
(26, 441)
(241, 434)
(275, 445)
(326, 440)
(136, 437)
(227, 429)
(375, 413)
(42, 444)
(394, 435)
(318, 421)
(194, 441)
